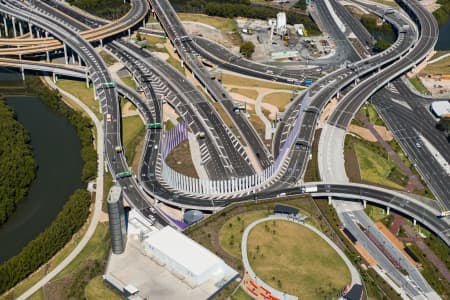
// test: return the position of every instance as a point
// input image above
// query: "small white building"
(185, 257)
(440, 108)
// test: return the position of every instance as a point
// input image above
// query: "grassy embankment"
(181, 161)
(158, 44)
(369, 162)
(249, 93)
(295, 260)
(223, 24)
(129, 81)
(216, 234)
(132, 127)
(248, 82)
(279, 100)
(83, 275)
(417, 84)
(108, 58)
(438, 68)
(133, 132)
(78, 89)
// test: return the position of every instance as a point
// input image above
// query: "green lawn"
(230, 235)
(224, 24)
(78, 89)
(96, 249)
(133, 130)
(295, 260)
(128, 80)
(98, 290)
(153, 43)
(376, 168)
(240, 294)
(130, 128)
(418, 85)
(370, 112)
(279, 100)
(108, 58)
(438, 68)
(39, 295)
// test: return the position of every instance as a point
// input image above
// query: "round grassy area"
(295, 260)
(230, 235)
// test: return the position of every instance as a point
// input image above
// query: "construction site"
(275, 40)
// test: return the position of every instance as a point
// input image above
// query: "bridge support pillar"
(388, 211)
(95, 92)
(183, 210)
(46, 34)
(47, 56)
(87, 80)
(30, 29)
(73, 58)
(329, 200)
(101, 43)
(5, 23)
(38, 33)
(364, 203)
(65, 54)
(20, 28)
(23, 72)
(14, 27)
(414, 222)
(55, 77)
(129, 33)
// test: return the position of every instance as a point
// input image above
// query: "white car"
(108, 118)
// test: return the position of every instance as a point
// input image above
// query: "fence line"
(183, 183)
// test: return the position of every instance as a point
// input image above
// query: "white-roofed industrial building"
(190, 260)
(441, 108)
(165, 264)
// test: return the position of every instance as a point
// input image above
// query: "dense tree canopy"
(17, 166)
(247, 48)
(242, 8)
(108, 9)
(41, 249)
(75, 211)
(381, 45)
(442, 14)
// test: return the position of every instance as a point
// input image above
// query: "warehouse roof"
(184, 251)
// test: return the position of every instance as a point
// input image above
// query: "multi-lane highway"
(326, 87)
(184, 46)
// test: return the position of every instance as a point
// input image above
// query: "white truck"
(309, 189)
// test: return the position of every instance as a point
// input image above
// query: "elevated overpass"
(137, 13)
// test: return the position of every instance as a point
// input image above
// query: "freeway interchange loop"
(63, 29)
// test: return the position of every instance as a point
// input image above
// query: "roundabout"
(287, 259)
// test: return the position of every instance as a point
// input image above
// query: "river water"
(56, 149)
(444, 37)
